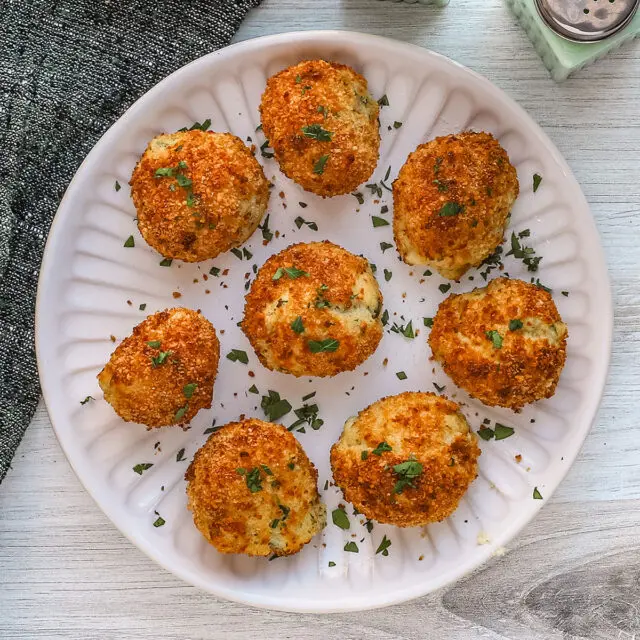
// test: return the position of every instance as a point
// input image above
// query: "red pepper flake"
(385, 362)
(281, 194)
(225, 272)
(113, 338)
(129, 302)
(518, 458)
(251, 374)
(176, 294)
(205, 277)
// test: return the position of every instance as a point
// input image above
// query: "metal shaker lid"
(587, 20)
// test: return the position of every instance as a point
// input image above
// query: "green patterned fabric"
(68, 70)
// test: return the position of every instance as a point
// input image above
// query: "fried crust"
(229, 194)
(154, 395)
(280, 517)
(339, 299)
(334, 96)
(422, 426)
(527, 365)
(469, 170)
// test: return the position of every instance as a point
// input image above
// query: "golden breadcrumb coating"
(409, 429)
(451, 202)
(505, 344)
(323, 126)
(197, 194)
(163, 373)
(313, 310)
(252, 489)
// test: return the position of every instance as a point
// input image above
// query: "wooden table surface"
(66, 572)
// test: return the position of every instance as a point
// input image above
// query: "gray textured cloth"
(68, 70)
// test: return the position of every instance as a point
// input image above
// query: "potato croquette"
(323, 126)
(198, 194)
(313, 310)
(505, 344)
(451, 202)
(253, 490)
(406, 460)
(163, 373)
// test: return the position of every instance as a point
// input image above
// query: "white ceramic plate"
(91, 288)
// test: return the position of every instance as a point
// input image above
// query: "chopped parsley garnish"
(197, 126)
(166, 262)
(297, 325)
(520, 252)
(180, 455)
(308, 396)
(352, 547)
(401, 375)
(565, 294)
(154, 344)
(540, 285)
(383, 547)
(189, 389)
(323, 110)
(266, 469)
(495, 337)
(379, 222)
(252, 478)
(319, 346)
(449, 209)
(117, 186)
(385, 245)
(319, 165)
(387, 275)
(292, 272)
(384, 101)
(214, 271)
(537, 179)
(143, 306)
(159, 522)
(160, 359)
(375, 189)
(246, 253)
(87, 399)
(316, 132)
(359, 197)
(405, 330)
(264, 150)
(300, 221)
(267, 234)
(501, 431)
(275, 523)
(384, 318)
(331, 563)
(180, 413)
(486, 433)
(437, 164)
(307, 414)
(164, 172)
(237, 253)
(406, 471)
(444, 287)
(514, 325)
(364, 454)
(274, 407)
(439, 388)
(381, 448)
(536, 494)
(212, 429)
(340, 519)
(397, 125)
(238, 355)
(142, 467)
(428, 322)
(253, 389)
